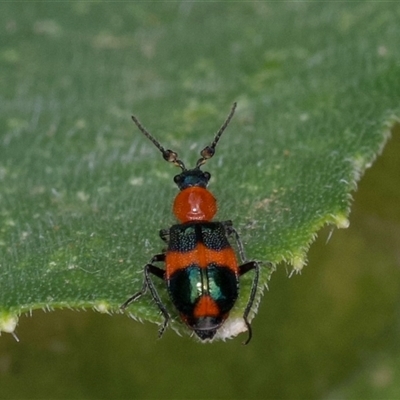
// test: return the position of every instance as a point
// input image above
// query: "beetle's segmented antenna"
(168, 155)
(209, 151)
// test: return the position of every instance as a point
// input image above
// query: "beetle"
(201, 270)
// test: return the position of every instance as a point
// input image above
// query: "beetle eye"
(177, 179)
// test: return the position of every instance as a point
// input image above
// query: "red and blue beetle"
(201, 269)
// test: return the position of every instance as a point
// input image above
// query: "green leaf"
(83, 194)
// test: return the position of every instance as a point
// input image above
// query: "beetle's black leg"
(151, 269)
(164, 235)
(245, 267)
(242, 270)
(148, 284)
(230, 230)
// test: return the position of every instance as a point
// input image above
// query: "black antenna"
(168, 155)
(172, 156)
(209, 151)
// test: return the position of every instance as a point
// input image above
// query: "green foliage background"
(83, 195)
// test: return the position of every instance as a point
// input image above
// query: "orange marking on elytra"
(206, 307)
(202, 256)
